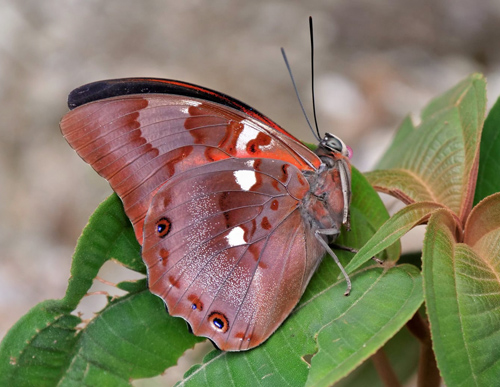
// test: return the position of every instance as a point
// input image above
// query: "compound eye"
(335, 144)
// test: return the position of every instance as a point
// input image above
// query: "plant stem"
(384, 369)
(428, 373)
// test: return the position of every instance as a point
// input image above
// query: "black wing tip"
(100, 90)
(109, 88)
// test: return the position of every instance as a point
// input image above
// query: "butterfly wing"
(231, 254)
(139, 141)
(213, 189)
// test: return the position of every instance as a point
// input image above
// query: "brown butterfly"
(233, 213)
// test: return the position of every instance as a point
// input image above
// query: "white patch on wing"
(245, 179)
(247, 134)
(187, 103)
(250, 163)
(235, 237)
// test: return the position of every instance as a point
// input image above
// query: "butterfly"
(233, 213)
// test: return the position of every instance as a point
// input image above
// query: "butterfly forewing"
(138, 142)
(233, 262)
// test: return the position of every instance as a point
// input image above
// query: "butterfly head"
(333, 143)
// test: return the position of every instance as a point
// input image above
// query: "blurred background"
(375, 63)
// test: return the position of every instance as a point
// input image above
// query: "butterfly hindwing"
(235, 248)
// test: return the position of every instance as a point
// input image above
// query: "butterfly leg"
(344, 248)
(333, 232)
(355, 251)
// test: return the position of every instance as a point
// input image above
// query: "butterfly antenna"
(297, 93)
(312, 76)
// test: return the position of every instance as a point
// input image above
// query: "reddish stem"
(384, 369)
(428, 373)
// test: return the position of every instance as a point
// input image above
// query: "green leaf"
(330, 331)
(132, 337)
(489, 163)
(437, 160)
(369, 213)
(392, 230)
(38, 348)
(483, 224)
(462, 290)
(108, 235)
(402, 352)
(392, 299)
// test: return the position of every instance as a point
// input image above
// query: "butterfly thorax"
(324, 205)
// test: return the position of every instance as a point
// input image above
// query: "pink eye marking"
(349, 152)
